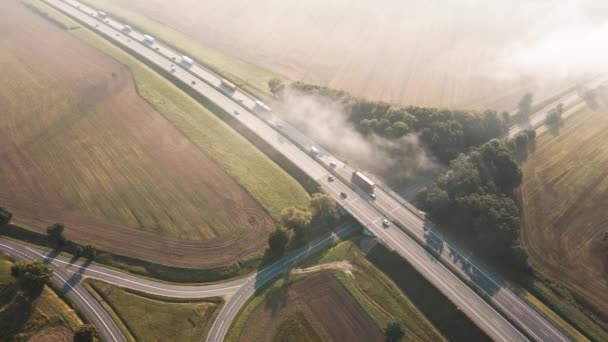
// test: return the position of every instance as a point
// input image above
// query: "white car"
(386, 223)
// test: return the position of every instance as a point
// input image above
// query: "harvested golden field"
(78, 145)
(440, 53)
(565, 196)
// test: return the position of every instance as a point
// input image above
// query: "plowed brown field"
(321, 306)
(78, 145)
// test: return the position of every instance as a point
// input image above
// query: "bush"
(5, 216)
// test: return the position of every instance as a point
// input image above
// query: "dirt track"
(332, 312)
(79, 146)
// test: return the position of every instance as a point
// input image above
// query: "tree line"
(474, 198)
(298, 223)
(445, 132)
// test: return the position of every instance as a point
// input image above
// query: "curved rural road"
(69, 282)
(447, 268)
(68, 274)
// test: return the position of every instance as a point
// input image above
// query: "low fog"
(478, 54)
(327, 123)
(469, 53)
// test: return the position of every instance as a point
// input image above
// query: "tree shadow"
(434, 242)
(16, 312)
(277, 300)
(76, 276)
(481, 279)
(48, 259)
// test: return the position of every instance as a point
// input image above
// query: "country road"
(69, 273)
(483, 297)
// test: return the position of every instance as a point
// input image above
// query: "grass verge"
(379, 296)
(152, 318)
(261, 175)
(247, 76)
(46, 316)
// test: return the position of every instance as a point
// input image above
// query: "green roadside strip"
(377, 294)
(145, 317)
(247, 76)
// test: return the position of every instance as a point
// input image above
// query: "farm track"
(78, 145)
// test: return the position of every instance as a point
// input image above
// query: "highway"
(449, 273)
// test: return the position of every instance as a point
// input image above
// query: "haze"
(441, 52)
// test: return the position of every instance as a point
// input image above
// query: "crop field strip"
(564, 195)
(103, 161)
(392, 65)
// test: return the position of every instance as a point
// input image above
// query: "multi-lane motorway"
(447, 268)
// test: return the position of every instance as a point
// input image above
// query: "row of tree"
(474, 198)
(297, 223)
(446, 133)
(56, 238)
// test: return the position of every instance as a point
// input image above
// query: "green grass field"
(151, 318)
(46, 318)
(247, 76)
(380, 297)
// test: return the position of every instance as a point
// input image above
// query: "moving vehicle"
(363, 182)
(236, 112)
(314, 150)
(342, 195)
(372, 195)
(332, 165)
(386, 223)
(228, 84)
(126, 28)
(330, 178)
(187, 61)
(193, 82)
(149, 40)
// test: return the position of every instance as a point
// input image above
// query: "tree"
(521, 145)
(296, 219)
(277, 241)
(394, 331)
(276, 86)
(554, 118)
(497, 168)
(86, 333)
(55, 234)
(89, 251)
(324, 209)
(525, 105)
(5, 216)
(31, 275)
(78, 251)
(400, 129)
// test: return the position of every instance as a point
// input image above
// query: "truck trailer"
(149, 39)
(363, 182)
(187, 61)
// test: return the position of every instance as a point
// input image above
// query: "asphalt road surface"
(70, 285)
(447, 268)
(68, 274)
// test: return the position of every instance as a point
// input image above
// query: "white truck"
(187, 61)
(149, 40)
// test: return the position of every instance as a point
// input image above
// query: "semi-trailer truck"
(363, 182)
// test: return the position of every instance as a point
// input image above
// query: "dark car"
(343, 195)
